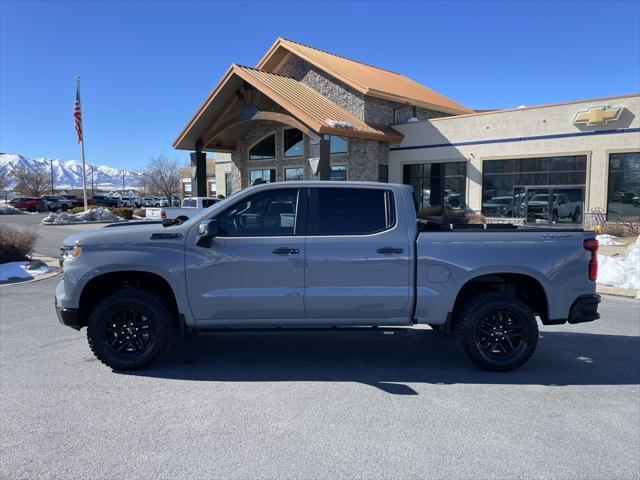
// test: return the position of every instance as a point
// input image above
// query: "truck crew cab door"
(358, 257)
(253, 271)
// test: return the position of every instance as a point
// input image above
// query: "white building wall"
(510, 129)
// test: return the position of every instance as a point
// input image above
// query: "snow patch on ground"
(91, 215)
(606, 239)
(622, 272)
(9, 210)
(19, 271)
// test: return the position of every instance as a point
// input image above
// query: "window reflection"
(623, 198)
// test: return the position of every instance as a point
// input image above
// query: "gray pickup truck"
(323, 254)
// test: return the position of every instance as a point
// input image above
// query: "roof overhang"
(221, 120)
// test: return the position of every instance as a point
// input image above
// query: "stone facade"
(338, 92)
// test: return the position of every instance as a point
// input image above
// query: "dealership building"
(303, 113)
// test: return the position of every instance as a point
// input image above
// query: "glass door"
(553, 205)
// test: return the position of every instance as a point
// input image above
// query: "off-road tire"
(145, 301)
(64, 208)
(478, 309)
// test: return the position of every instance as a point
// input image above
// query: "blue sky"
(146, 66)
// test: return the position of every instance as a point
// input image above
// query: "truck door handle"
(387, 250)
(285, 251)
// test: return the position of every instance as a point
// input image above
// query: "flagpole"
(84, 167)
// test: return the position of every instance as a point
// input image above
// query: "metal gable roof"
(365, 78)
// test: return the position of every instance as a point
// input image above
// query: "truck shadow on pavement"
(392, 361)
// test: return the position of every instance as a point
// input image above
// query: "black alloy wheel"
(130, 329)
(499, 335)
(128, 332)
(498, 332)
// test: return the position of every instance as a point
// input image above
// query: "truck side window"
(269, 213)
(350, 211)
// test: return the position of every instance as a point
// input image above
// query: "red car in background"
(30, 204)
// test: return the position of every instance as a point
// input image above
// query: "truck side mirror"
(206, 231)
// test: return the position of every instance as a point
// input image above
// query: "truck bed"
(449, 258)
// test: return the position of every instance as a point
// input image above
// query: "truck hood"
(124, 234)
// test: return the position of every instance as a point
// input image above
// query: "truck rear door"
(357, 256)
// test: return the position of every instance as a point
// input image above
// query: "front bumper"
(585, 309)
(69, 317)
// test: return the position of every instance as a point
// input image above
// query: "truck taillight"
(591, 244)
(163, 214)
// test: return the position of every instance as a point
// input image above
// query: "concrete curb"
(51, 263)
(616, 291)
(79, 223)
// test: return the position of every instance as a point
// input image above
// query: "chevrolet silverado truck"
(322, 254)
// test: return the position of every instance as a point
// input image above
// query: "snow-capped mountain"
(68, 173)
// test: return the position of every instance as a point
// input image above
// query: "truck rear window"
(350, 211)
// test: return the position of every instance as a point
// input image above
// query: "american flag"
(77, 115)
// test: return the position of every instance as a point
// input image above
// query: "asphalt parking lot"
(321, 405)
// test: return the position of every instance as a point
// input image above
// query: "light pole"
(53, 192)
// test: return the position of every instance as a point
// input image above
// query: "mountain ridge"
(68, 173)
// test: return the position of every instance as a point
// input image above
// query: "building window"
(437, 187)
(504, 181)
(383, 173)
(623, 195)
(337, 144)
(228, 183)
(264, 149)
(292, 174)
(266, 176)
(338, 173)
(293, 143)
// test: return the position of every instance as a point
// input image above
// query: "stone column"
(320, 158)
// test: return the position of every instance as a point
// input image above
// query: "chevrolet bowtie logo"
(593, 116)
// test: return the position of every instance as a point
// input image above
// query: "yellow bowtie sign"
(593, 116)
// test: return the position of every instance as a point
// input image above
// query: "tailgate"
(153, 213)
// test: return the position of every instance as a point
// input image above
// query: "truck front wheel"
(129, 329)
(498, 332)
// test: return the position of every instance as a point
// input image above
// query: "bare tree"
(162, 176)
(4, 181)
(32, 180)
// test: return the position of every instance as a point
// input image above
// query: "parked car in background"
(190, 206)
(29, 204)
(636, 201)
(498, 207)
(104, 201)
(76, 201)
(128, 201)
(154, 202)
(57, 202)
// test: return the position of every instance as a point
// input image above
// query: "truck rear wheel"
(498, 332)
(130, 329)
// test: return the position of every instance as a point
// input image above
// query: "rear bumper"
(69, 317)
(584, 309)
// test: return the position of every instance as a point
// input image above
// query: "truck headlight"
(71, 252)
